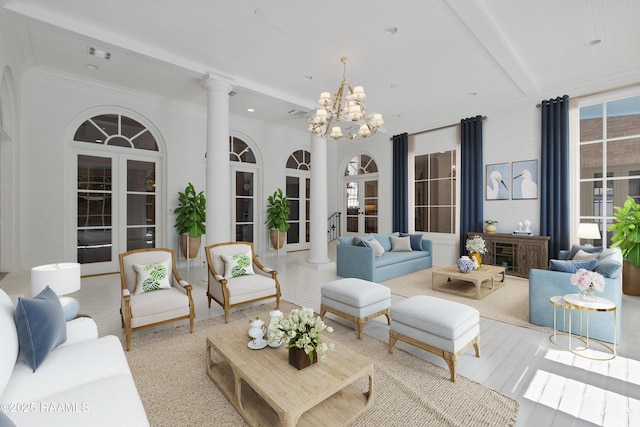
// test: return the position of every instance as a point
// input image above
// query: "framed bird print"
(525, 180)
(498, 182)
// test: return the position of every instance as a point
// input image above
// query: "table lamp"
(62, 278)
(588, 231)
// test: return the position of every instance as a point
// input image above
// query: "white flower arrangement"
(476, 245)
(301, 329)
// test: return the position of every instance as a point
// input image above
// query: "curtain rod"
(599, 92)
(440, 128)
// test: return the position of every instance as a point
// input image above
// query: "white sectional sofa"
(85, 381)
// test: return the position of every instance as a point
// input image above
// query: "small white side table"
(598, 304)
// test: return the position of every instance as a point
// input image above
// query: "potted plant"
(626, 236)
(278, 211)
(490, 226)
(190, 221)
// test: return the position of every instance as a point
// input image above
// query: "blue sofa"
(362, 262)
(543, 284)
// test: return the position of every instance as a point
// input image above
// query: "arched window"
(359, 165)
(300, 160)
(116, 130)
(239, 151)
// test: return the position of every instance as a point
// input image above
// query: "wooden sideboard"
(517, 253)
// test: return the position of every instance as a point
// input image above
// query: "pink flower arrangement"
(587, 280)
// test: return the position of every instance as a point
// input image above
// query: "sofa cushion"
(385, 240)
(362, 241)
(571, 266)
(400, 244)
(585, 255)
(41, 326)
(346, 240)
(10, 347)
(67, 368)
(151, 277)
(589, 249)
(609, 263)
(377, 247)
(416, 241)
(391, 257)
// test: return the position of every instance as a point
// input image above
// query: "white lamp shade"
(588, 231)
(62, 278)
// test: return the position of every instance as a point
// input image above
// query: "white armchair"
(150, 298)
(231, 285)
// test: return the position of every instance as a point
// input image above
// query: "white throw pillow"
(376, 247)
(237, 265)
(585, 255)
(400, 244)
(152, 277)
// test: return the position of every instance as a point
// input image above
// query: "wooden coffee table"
(266, 390)
(486, 274)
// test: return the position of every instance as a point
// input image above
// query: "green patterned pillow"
(152, 277)
(237, 265)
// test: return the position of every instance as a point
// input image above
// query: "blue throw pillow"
(588, 249)
(571, 266)
(361, 241)
(416, 241)
(5, 421)
(40, 325)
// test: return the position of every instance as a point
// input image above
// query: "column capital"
(213, 81)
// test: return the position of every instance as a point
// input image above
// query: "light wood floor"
(554, 387)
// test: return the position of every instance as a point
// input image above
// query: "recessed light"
(391, 30)
(308, 77)
(473, 93)
(251, 110)
(594, 42)
(92, 67)
(99, 53)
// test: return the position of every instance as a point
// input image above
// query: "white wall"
(51, 102)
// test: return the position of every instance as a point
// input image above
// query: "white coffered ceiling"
(422, 76)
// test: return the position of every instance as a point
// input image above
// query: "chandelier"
(343, 117)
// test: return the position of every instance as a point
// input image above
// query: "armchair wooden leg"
(128, 339)
(209, 299)
(226, 315)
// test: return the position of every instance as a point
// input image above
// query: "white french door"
(298, 191)
(361, 205)
(117, 207)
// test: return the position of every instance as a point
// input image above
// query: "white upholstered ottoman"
(442, 327)
(356, 300)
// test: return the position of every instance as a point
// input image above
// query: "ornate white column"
(318, 233)
(218, 178)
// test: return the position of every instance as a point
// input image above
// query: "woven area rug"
(169, 371)
(509, 303)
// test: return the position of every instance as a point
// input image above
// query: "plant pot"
(190, 243)
(278, 238)
(300, 359)
(630, 279)
(490, 228)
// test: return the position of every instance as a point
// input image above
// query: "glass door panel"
(141, 204)
(298, 192)
(244, 206)
(94, 209)
(353, 207)
(371, 206)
